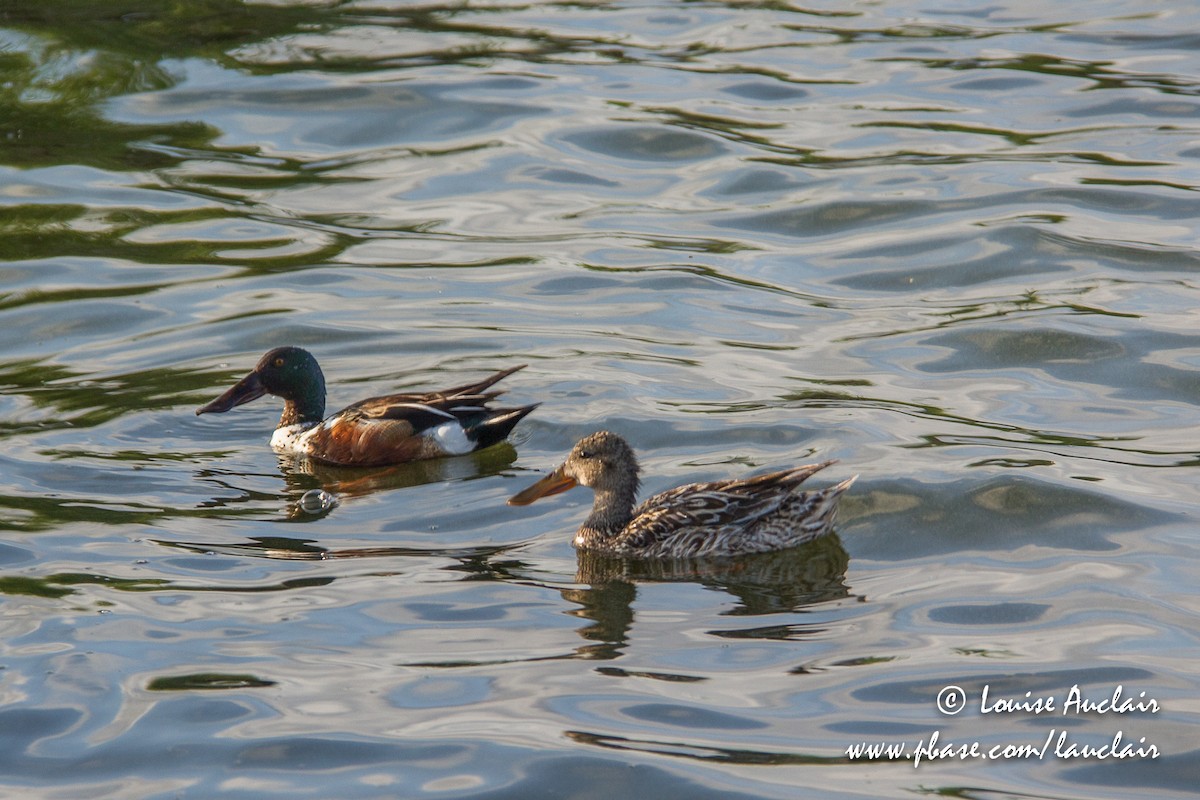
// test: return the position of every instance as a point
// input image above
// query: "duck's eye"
(585, 453)
(278, 362)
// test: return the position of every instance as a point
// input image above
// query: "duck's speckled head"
(602, 461)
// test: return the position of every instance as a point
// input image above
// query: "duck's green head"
(288, 372)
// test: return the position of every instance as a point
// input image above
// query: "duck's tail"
(477, 392)
(496, 424)
(819, 510)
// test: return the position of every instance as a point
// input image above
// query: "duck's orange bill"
(554, 483)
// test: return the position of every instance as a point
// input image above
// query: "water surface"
(952, 246)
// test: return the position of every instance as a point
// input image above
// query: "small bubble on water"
(314, 501)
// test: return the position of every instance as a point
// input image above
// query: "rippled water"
(952, 246)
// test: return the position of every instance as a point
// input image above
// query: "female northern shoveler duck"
(373, 432)
(723, 518)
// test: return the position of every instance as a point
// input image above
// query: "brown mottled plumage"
(722, 518)
(391, 429)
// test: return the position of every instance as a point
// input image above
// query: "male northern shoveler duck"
(380, 430)
(723, 518)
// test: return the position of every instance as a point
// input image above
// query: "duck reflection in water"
(763, 583)
(303, 475)
(761, 539)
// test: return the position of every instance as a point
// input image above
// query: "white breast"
(291, 439)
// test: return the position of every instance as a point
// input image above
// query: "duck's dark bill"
(247, 389)
(554, 483)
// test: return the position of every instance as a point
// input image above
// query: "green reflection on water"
(81, 402)
(206, 681)
(59, 584)
(34, 587)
